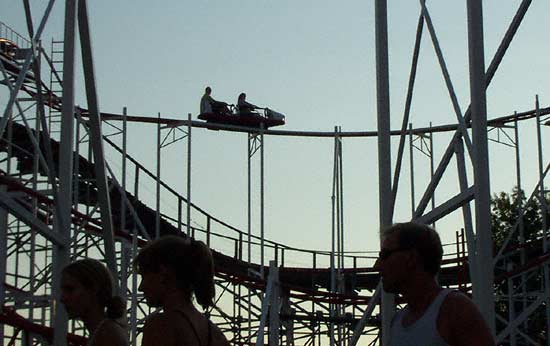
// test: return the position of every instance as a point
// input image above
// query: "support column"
(274, 302)
(189, 174)
(411, 169)
(157, 182)
(384, 145)
(4, 242)
(466, 212)
(544, 212)
(333, 236)
(483, 288)
(96, 140)
(62, 221)
(262, 230)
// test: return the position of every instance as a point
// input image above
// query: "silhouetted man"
(409, 260)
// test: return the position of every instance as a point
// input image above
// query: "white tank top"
(423, 331)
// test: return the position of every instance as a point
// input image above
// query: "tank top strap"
(438, 301)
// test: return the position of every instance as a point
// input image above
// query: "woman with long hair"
(87, 294)
(174, 272)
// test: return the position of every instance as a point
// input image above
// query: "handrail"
(12, 35)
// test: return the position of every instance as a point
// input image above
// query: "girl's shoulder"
(218, 338)
(110, 332)
(158, 330)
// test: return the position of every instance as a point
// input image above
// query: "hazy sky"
(315, 62)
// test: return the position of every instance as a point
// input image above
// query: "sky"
(314, 61)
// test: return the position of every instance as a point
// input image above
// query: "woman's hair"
(190, 260)
(242, 96)
(93, 275)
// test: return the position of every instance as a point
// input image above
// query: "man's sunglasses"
(386, 253)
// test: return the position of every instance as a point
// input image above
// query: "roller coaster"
(45, 184)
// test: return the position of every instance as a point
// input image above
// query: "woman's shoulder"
(158, 330)
(111, 333)
(218, 338)
(158, 320)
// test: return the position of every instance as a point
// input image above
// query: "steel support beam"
(447, 207)
(408, 102)
(466, 211)
(26, 66)
(189, 175)
(28, 218)
(483, 289)
(96, 139)
(63, 217)
(384, 145)
(491, 70)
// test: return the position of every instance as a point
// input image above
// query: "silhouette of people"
(209, 105)
(244, 107)
(409, 260)
(87, 294)
(174, 270)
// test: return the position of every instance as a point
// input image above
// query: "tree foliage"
(505, 215)
(524, 245)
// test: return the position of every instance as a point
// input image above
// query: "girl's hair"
(93, 274)
(190, 260)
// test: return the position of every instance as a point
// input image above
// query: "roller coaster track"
(54, 101)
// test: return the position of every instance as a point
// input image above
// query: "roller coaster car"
(8, 48)
(268, 118)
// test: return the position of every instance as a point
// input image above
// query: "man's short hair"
(423, 239)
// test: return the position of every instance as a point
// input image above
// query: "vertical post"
(411, 168)
(262, 231)
(208, 235)
(136, 182)
(188, 173)
(180, 212)
(134, 308)
(384, 147)
(432, 166)
(124, 166)
(35, 166)
(466, 211)
(483, 289)
(126, 249)
(61, 224)
(341, 197)
(3, 245)
(157, 181)
(519, 206)
(333, 236)
(338, 225)
(274, 321)
(249, 228)
(40, 117)
(544, 212)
